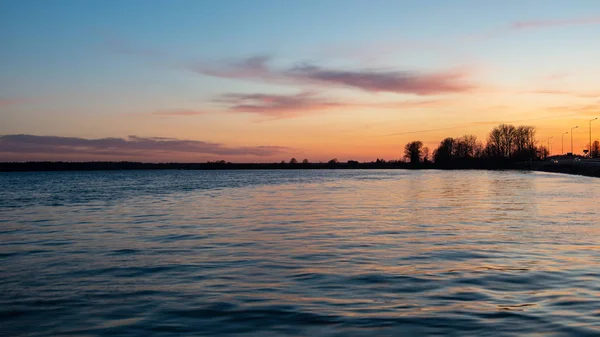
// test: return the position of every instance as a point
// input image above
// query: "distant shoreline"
(544, 166)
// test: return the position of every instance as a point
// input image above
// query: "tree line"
(504, 144)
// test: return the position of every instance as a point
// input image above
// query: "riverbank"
(545, 166)
(575, 169)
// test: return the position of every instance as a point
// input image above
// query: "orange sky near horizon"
(364, 135)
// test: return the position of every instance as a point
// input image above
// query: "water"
(297, 253)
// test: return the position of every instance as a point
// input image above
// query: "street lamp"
(575, 127)
(562, 140)
(549, 148)
(590, 148)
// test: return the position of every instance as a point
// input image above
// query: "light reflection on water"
(299, 252)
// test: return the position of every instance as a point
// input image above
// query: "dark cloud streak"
(370, 80)
(408, 82)
(130, 146)
(277, 105)
(303, 103)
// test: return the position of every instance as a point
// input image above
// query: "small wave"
(125, 251)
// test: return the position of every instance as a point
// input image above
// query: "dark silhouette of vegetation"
(413, 151)
(595, 150)
(513, 143)
(543, 152)
(353, 163)
(426, 155)
(506, 144)
(464, 151)
(444, 154)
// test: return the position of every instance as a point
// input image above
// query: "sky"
(265, 81)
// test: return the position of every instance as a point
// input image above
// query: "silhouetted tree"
(413, 151)
(333, 161)
(293, 161)
(494, 144)
(305, 161)
(524, 143)
(595, 150)
(542, 152)
(467, 147)
(507, 133)
(443, 154)
(507, 141)
(426, 154)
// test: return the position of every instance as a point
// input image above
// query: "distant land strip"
(545, 166)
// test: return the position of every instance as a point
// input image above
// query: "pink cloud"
(277, 105)
(387, 81)
(295, 105)
(370, 80)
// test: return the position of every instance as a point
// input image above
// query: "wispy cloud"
(407, 82)
(526, 25)
(179, 112)
(279, 106)
(130, 146)
(556, 77)
(533, 24)
(565, 92)
(118, 46)
(550, 92)
(587, 110)
(592, 109)
(370, 80)
(410, 104)
(255, 67)
(304, 103)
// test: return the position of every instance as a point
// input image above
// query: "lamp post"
(549, 148)
(575, 127)
(562, 140)
(590, 148)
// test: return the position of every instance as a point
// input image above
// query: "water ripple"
(296, 253)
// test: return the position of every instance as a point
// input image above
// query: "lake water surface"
(298, 253)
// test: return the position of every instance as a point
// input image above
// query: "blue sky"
(94, 69)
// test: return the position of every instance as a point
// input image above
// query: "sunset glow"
(265, 81)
